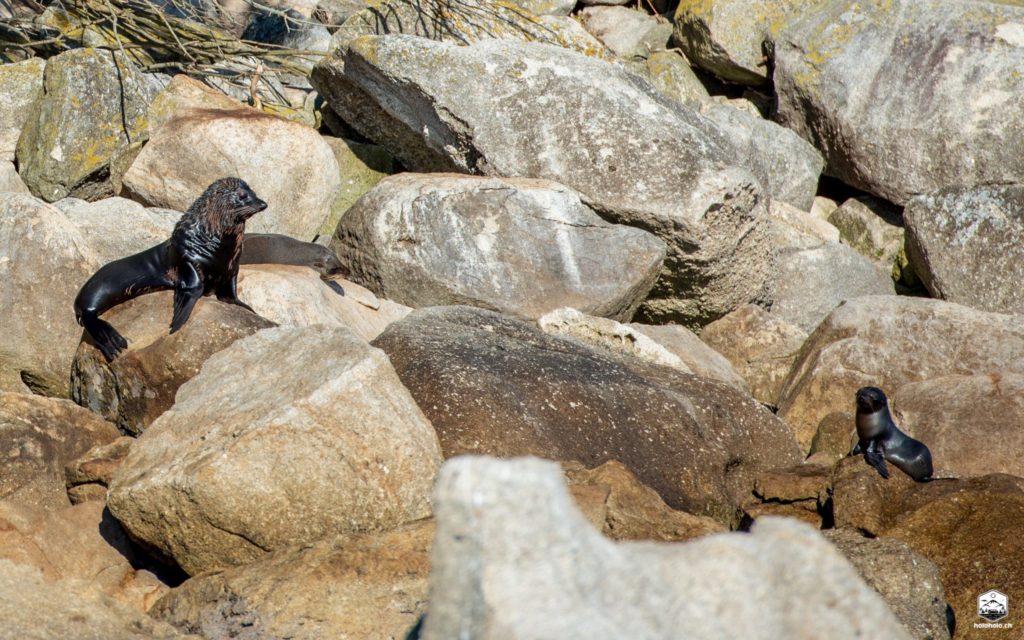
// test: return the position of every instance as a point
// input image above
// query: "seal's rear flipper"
(876, 460)
(106, 337)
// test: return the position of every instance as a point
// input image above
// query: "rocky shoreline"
(613, 275)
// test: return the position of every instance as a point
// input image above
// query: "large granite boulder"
(21, 84)
(285, 437)
(141, 383)
(518, 246)
(40, 436)
(92, 111)
(636, 157)
(496, 385)
(118, 227)
(889, 341)
(514, 558)
(967, 245)
(904, 97)
(43, 261)
(287, 164)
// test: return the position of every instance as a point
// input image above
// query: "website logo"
(993, 605)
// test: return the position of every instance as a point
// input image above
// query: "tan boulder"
(283, 438)
(246, 144)
(296, 296)
(88, 477)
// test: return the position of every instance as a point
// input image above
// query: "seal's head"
(870, 400)
(229, 201)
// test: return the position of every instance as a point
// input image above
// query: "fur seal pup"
(201, 257)
(274, 248)
(879, 439)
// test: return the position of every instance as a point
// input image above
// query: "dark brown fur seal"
(273, 248)
(201, 257)
(879, 439)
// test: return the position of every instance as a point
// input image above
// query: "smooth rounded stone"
(700, 358)
(81, 541)
(465, 22)
(10, 181)
(117, 227)
(628, 33)
(92, 110)
(671, 75)
(960, 418)
(43, 261)
(371, 586)
(34, 608)
(637, 158)
(889, 341)
(509, 540)
(285, 437)
(515, 245)
(786, 165)
(141, 383)
(362, 166)
(88, 477)
(496, 385)
(727, 37)
(895, 120)
(183, 94)
(811, 282)
(873, 227)
(39, 436)
(618, 505)
(795, 229)
(965, 244)
(760, 346)
(909, 583)
(963, 526)
(287, 164)
(21, 83)
(296, 296)
(823, 207)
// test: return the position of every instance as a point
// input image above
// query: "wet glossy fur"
(201, 257)
(879, 439)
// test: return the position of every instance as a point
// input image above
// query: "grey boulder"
(518, 246)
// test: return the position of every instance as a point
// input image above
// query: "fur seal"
(879, 439)
(274, 248)
(201, 257)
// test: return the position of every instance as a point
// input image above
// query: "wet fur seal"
(274, 248)
(879, 439)
(200, 257)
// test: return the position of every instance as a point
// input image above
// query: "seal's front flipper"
(877, 460)
(184, 301)
(335, 287)
(227, 292)
(106, 337)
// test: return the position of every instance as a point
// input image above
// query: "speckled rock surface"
(20, 84)
(496, 385)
